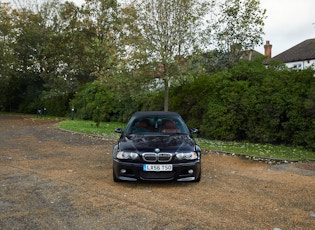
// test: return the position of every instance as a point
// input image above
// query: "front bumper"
(134, 171)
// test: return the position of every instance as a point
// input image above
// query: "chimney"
(268, 48)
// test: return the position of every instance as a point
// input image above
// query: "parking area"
(52, 179)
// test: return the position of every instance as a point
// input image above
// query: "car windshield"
(156, 124)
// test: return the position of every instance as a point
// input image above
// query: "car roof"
(155, 113)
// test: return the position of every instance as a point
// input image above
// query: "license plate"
(157, 168)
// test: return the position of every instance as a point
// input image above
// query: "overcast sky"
(289, 22)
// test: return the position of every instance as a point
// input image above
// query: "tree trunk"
(166, 93)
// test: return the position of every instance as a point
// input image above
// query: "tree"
(238, 27)
(101, 20)
(166, 33)
(6, 37)
(22, 54)
(82, 46)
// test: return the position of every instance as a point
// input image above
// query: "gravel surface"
(52, 179)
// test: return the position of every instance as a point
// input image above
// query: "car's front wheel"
(198, 178)
(115, 178)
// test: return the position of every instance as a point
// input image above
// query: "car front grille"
(157, 157)
(149, 157)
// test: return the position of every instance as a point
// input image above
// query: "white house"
(298, 57)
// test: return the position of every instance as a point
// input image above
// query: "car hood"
(165, 143)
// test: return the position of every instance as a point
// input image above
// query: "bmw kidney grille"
(157, 157)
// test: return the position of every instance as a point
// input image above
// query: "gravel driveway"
(51, 179)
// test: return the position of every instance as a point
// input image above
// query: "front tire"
(198, 178)
(115, 179)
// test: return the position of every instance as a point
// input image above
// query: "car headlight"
(127, 155)
(187, 156)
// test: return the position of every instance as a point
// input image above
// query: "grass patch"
(262, 150)
(89, 127)
(106, 129)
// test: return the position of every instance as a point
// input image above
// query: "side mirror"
(118, 130)
(193, 130)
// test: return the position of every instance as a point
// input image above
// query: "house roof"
(250, 54)
(303, 51)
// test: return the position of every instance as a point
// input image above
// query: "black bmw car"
(156, 146)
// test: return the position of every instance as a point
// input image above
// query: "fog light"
(122, 171)
(190, 171)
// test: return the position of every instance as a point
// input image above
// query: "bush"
(94, 102)
(253, 103)
(247, 103)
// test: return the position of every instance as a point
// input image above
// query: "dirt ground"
(52, 179)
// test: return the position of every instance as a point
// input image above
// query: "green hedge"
(253, 103)
(250, 102)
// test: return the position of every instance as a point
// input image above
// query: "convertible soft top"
(155, 113)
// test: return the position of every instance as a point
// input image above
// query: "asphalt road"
(51, 179)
